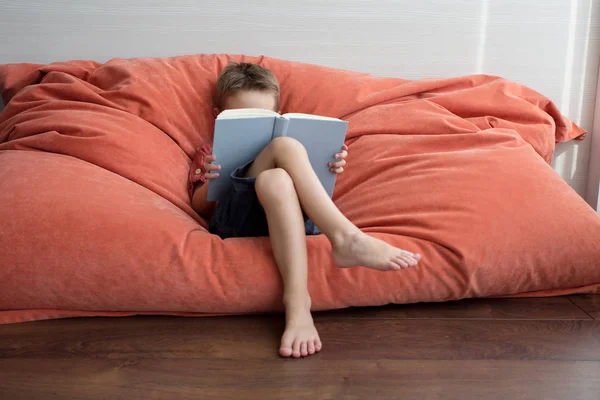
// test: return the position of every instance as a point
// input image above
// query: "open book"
(241, 134)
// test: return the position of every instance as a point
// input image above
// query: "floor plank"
(258, 338)
(560, 308)
(477, 349)
(310, 379)
(590, 303)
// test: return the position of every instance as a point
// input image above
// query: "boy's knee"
(284, 144)
(274, 183)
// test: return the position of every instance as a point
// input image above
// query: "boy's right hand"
(211, 168)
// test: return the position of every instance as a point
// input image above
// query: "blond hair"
(246, 76)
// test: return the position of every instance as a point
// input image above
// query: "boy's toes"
(318, 345)
(416, 258)
(285, 351)
(296, 349)
(401, 261)
(394, 265)
(409, 260)
(311, 347)
(304, 349)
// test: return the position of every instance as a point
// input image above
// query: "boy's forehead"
(250, 99)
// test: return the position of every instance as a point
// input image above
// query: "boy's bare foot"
(300, 338)
(360, 249)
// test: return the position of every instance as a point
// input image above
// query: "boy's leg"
(350, 246)
(276, 193)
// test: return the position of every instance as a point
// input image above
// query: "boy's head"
(246, 85)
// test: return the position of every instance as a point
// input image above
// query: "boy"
(271, 196)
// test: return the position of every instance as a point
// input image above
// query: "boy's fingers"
(344, 147)
(210, 158)
(343, 154)
(337, 164)
(213, 167)
(337, 170)
(210, 175)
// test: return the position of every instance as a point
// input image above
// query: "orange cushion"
(96, 219)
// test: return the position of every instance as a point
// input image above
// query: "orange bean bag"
(96, 220)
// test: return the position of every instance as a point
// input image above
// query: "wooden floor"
(545, 348)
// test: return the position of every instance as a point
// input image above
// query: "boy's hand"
(338, 166)
(210, 168)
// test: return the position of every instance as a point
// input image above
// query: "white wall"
(593, 189)
(552, 46)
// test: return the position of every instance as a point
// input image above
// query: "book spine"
(281, 127)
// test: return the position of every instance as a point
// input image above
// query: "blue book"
(241, 134)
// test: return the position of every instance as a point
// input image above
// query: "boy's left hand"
(338, 166)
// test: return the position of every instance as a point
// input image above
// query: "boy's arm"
(201, 172)
(200, 204)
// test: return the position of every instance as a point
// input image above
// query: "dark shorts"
(239, 213)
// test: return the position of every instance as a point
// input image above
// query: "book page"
(309, 116)
(246, 113)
